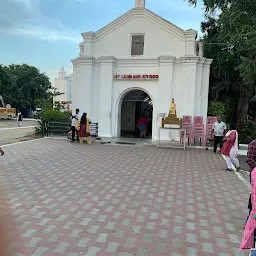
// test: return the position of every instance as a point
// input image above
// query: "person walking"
(230, 148)
(142, 125)
(19, 119)
(83, 127)
(218, 130)
(74, 131)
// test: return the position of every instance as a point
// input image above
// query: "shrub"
(50, 115)
(54, 115)
(216, 108)
(248, 132)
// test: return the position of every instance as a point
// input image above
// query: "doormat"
(126, 143)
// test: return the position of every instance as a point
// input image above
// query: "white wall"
(157, 41)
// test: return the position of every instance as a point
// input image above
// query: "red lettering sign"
(129, 76)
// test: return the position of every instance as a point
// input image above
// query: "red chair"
(198, 129)
(208, 134)
(186, 125)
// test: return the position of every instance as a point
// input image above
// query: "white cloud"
(29, 5)
(23, 18)
(47, 34)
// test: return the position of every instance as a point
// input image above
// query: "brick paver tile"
(117, 200)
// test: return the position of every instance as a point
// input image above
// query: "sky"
(47, 33)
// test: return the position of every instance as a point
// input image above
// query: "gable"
(161, 36)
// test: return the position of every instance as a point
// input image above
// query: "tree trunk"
(242, 106)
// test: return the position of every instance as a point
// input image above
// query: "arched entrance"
(134, 105)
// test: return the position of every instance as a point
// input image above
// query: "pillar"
(75, 85)
(82, 84)
(200, 49)
(165, 83)
(165, 89)
(189, 84)
(205, 88)
(105, 94)
(86, 48)
(190, 42)
(198, 93)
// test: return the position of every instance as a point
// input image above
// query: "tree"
(236, 32)
(22, 85)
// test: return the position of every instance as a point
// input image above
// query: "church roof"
(134, 13)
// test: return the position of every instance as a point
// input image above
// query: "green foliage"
(248, 132)
(22, 86)
(230, 40)
(54, 115)
(48, 116)
(68, 114)
(58, 106)
(216, 108)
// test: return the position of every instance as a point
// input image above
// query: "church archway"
(135, 104)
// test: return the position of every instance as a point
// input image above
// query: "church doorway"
(135, 105)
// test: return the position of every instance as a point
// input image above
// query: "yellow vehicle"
(7, 112)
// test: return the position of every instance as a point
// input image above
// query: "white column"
(190, 42)
(165, 83)
(139, 3)
(75, 85)
(165, 90)
(82, 84)
(200, 49)
(105, 103)
(86, 47)
(189, 84)
(205, 88)
(198, 94)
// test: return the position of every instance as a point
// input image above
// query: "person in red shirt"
(230, 148)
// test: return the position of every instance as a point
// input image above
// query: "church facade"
(139, 51)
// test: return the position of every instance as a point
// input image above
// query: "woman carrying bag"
(83, 128)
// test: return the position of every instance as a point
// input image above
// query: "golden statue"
(172, 118)
(172, 108)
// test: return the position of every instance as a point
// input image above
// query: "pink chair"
(208, 134)
(186, 125)
(198, 129)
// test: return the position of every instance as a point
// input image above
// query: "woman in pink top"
(248, 237)
(230, 148)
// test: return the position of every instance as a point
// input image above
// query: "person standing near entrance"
(83, 127)
(142, 125)
(218, 130)
(73, 128)
(19, 119)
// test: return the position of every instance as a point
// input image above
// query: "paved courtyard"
(72, 199)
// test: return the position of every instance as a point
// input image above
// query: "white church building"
(135, 65)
